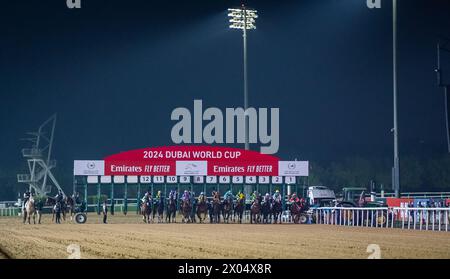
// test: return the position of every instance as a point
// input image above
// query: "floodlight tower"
(244, 19)
(39, 159)
(445, 47)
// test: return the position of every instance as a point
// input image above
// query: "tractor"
(358, 197)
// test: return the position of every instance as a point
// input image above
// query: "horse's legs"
(24, 216)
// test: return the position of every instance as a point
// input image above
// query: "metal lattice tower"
(38, 157)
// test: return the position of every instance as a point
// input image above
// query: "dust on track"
(128, 237)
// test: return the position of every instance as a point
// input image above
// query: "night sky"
(113, 71)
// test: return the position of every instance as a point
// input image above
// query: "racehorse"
(146, 210)
(255, 211)
(227, 206)
(186, 209)
(29, 209)
(297, 209)
(239, 209)
(266, 209)
(202, 209)
(158, 207)
(70, 207)
(171, 210)
(277, 209)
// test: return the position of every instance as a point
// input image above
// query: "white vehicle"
(320, 196)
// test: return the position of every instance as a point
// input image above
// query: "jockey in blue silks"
(173, 194)
(227, 195)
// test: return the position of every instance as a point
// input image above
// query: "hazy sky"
(114, 70)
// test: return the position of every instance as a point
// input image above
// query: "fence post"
(421, 219)
(353, 217)
(446, 220)
(439, 220)
(432, 220)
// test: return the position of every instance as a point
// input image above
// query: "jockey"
(216, 196)
(266, 197)
(227, 195)
(146, 197)
(186, 196)
(240, 195)
(254, 196)
(26, 197)
(158, 195)
(201, 197)
(76, 197)
(294, 198)
(277, 196)
(59, 197)
(173, 194)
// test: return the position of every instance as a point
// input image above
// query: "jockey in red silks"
(294, 198)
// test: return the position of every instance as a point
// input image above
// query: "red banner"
(163, 161)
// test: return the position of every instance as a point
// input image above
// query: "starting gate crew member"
(228, 194)
(201, 197)
(105, 212)
(277, 196)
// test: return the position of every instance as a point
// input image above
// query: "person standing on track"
(105, 212)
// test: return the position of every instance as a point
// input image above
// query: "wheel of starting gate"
(80, 218)
(303, 218)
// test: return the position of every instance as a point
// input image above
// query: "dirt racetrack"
(128, 237)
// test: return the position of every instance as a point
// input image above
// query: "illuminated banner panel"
(140, 168)
(293, 168)
(191, 167)
(246, 168)
(88, 167)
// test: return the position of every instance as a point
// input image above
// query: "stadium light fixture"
(244, 19)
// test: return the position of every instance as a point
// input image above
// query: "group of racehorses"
(261, 211)
(33, 208)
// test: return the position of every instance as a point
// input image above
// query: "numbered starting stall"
(122, 179)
